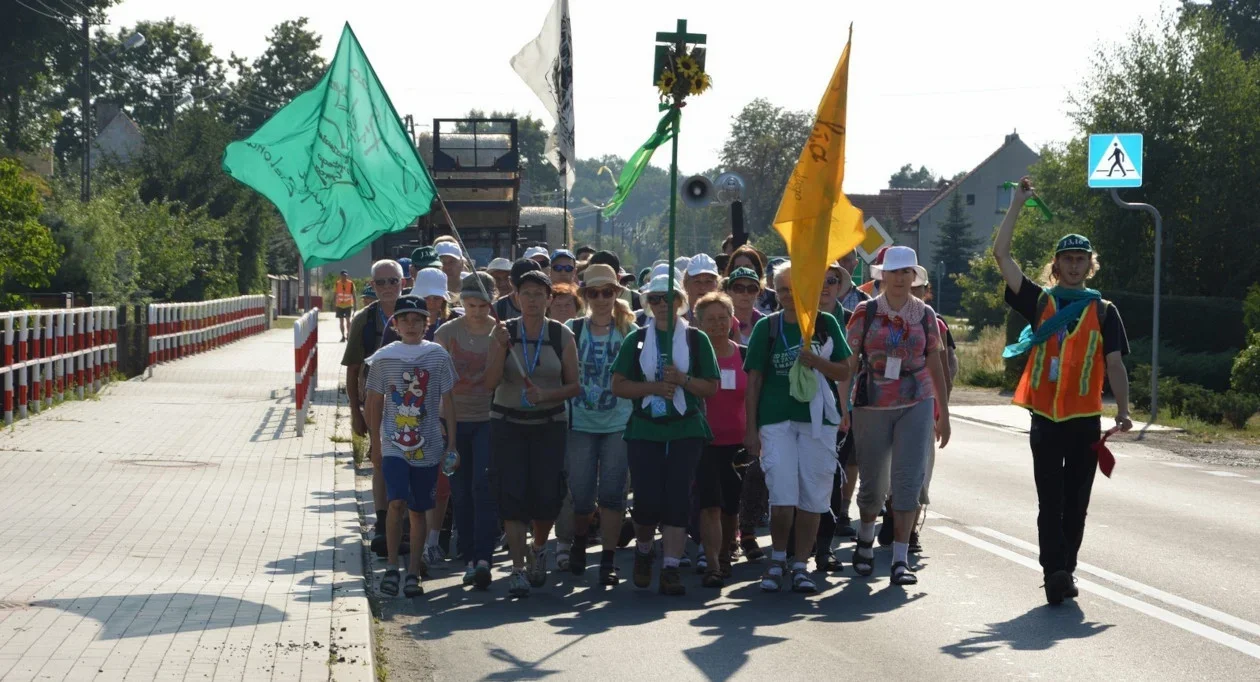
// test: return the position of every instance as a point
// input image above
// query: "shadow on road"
(148, 615)
(1037, 630)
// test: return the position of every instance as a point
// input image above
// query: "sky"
(931, 83)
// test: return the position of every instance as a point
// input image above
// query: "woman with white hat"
(597, 464)
(667, 377)
(900, 384)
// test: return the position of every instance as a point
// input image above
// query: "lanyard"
(530, 366)
(792, 351)
(896, 334)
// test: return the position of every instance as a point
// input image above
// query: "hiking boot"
(1057, 585)
(671, 582)
(643, 568)
(886, 528)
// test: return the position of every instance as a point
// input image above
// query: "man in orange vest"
(1074, 340)
(344, 302)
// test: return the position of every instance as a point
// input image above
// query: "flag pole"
(563, 171)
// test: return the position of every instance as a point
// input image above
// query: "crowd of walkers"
(560, 392)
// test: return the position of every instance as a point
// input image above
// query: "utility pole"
(85, 190)
(599, 226)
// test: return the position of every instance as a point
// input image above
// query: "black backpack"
(555, 337)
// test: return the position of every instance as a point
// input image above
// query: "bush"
(980, 362)
(1204, 405)
(1251, 308)
(1210, 370)
(1238, 408)
(1245, 375)
(982, 293)
(1182, 319)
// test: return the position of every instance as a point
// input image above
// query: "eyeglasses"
(605, 292)
(392, 281)
(656, 299)
(832, 281)
(745, 288)
(562, 268)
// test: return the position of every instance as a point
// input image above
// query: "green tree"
(982, 293)
(954, 247)
(289, 66)
(908, 178)
(763, 146)
(28, 254)
(1240, 18)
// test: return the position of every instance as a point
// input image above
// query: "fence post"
(8, 366)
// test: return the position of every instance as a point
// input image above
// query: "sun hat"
(469, 287)
(660, 284)
(599, 275)
(425, 257)
(663, 269)
(499, 265)
(449, 249)
(429, 282)
(702, 264)
(1074, 242)
(897, 258)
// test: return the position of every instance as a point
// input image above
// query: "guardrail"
(305, 364)
(47, 352)
(178, 330)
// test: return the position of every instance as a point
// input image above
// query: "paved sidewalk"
(1014, 417)
(176, 528)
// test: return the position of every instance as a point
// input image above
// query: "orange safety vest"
(1081, 364)
(345, 293)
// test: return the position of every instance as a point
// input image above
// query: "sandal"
(411, 586)
(702, 564)
(901, 574)
(828, 563)
(713, 579)
(863, 566)
(801, 582)
(389, 583)
(771, 581)
(724, 565)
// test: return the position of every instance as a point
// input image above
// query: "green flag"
(336, 162)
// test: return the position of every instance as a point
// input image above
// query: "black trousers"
(1063, 468)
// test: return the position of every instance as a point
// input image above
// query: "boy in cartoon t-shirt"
(408, 396)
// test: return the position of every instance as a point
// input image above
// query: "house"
(118, 139)
(984, 200)
(895, 209)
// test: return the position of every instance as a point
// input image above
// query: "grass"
(359, 447)
(980, 361)
(1197, 429)
(340, 439)
(958, 326)
(284, 322)
(382, 672)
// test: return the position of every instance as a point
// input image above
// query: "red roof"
(886, 208)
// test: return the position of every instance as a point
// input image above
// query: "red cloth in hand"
(1106, 460)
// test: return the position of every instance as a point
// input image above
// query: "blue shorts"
(416, 485)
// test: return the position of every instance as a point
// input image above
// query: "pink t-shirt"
(725, 409)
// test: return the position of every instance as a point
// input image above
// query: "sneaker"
(885, 529)
(844, 527)
(752, 551)
(470, 575)
(915, 546)
(536, 566)
(577, 556)
(1072, 592)
(518, 584)
(1057, 585)
(433, 555)
(481, 577)
(671, 582)
(643, 568)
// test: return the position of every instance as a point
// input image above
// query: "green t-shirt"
(772, 358)
(691, 425)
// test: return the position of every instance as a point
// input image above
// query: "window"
(971, 200)
(1003, 198)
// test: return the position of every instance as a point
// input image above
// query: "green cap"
(425, 257)
(743, 273)
(1074, 242)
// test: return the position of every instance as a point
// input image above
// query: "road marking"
(1153, 592)
(1255, 480)
(934, 516)
(1236, 643)
(1224, 474)
(1180, 465)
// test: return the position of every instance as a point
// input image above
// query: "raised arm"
(1002, 245)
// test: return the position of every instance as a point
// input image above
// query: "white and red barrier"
(305, 364)
(48, 352)
(178, 330)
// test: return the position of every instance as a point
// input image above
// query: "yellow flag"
(815, 219)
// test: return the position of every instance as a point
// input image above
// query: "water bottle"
(450, 463)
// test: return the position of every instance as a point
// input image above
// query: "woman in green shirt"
(667, 379)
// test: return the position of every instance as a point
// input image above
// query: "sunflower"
(687, 66)
(700, 82)
(666, 82)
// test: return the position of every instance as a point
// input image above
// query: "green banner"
(336, 162)
(665, 130)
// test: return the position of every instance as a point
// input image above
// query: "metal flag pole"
(1159, 240)
(564, 202)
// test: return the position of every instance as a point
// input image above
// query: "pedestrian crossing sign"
(1115, 160)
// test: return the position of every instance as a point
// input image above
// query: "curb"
(352, 616)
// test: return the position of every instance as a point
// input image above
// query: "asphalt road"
(1170, 590)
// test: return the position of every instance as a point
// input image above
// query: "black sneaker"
(481, 577)
(671, 582)
(1072, 592)
(643, 568)
(915, 546)
(1058, 584)
(577, 555)
(844, 527)
(886, 529)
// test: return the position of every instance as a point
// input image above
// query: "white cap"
(681, 263)
(702, 264)
(429, 282)
(499, 264)
(448, 249)
(537, 251)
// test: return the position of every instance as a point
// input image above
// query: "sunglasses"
(382, 282)
(745, 288)
(832, 281)
(605, 292)
(656, 299)
(562, 268)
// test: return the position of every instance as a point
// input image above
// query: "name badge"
(1054, 369)
(892, 367)
(728, 380)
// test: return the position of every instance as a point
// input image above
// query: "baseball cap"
(499, 264)
(744, 273)
(429, 282)
(448, 249)
(535, 251)
(522, 266)
(410, 304)
(1074, 242)
(345, 272)
(406, 266)
(368, 292)
(607, 258)
(537, 277)
(469, 287)
(563, 253)
(702, 264)
(425, 257)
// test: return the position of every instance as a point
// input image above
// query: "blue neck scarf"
(1077, 300)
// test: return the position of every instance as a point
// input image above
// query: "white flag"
(546, 66)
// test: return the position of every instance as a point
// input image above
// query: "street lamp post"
(940, 278)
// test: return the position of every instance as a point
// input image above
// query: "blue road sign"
(1115, 160)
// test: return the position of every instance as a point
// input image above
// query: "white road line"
(1224, 474)
(1153, 592)
(1180, 465)
(1238, 644)
(1255, 480)
(934, 516)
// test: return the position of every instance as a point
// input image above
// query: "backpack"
(865, 380)
(555, 337)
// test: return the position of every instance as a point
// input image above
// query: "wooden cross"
(679, 40)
